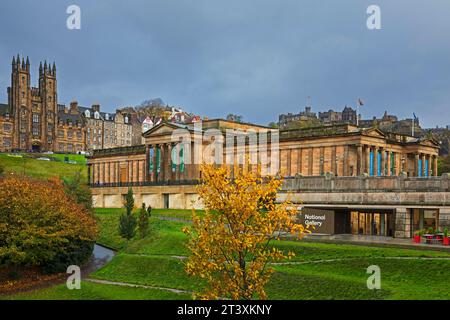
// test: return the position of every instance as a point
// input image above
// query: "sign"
(318, 220)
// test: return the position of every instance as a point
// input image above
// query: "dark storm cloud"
(256, 58)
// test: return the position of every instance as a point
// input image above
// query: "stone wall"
(180, 197)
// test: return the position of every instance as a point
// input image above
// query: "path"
(132, 285)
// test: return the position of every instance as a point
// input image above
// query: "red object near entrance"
(446, 241)
(416, 239)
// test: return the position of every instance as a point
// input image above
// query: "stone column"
(299, 161)
(435, 166)
(404, 163)
(416, 165)
(375, 161)
(89, 173)
(402, 223)
(288, 162)
(311, 161)
(359, 160)
(168, 164)
(424, 158)
(367, 160)
(147, 163)
(154, 161)
(101, 177)
(346, 172)
(178, 168)
(383, 161)
(389, 164)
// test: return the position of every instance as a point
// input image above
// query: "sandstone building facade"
(340, 158)
(32, 120)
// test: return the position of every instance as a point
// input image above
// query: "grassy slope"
(401, 279)
(40, 169)
(95, 291)
(80, 159)
(151, 261)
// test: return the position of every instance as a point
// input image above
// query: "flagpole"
(413, 127)
(357, 114)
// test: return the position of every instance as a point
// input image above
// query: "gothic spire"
(54, 68)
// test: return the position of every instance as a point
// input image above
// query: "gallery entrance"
(372, 223)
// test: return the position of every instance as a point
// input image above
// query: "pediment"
(164, 128)
(429, 143)
(374, 132)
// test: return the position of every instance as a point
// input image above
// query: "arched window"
(126, 119)
(96, 115)
(87, 114)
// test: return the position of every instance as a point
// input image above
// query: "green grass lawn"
(40, 169)
(95, 291)
(155, 261)
(78, 158)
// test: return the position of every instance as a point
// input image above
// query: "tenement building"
(345, 179)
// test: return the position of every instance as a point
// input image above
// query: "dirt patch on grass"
(16, 281)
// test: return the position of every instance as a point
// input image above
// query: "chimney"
(96, 107)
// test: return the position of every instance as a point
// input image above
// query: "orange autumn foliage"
(39, 222)
(231, 244)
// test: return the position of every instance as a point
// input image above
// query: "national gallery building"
(351, 180)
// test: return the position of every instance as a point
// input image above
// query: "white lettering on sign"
(314, 220)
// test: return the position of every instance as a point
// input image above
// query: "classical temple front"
(164, 171)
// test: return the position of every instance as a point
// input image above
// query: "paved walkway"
(132, 285)
(374, 240)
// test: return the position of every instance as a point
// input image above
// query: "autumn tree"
(127, 223)
(232, 243)
(41, 226)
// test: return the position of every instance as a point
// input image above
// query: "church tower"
(49, 105)
(34, 110)
(20, 103)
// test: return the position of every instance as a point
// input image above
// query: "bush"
(127, 223)
(42, 226)
(143, 222)
(79, 191)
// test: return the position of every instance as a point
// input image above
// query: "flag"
(360, 102)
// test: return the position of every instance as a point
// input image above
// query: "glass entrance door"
(372, 224)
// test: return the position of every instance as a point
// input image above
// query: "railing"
(331, 183)
(145, 184)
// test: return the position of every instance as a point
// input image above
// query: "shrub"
(149, 211)
(143, 222)
(40, 225)
(127, 223)
(79, 191)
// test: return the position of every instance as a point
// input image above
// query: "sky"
(255, 58)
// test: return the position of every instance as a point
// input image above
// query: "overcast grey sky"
(257, 58)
